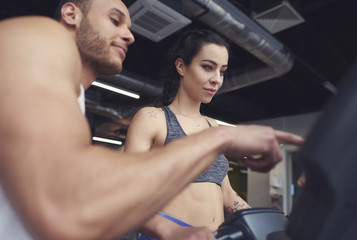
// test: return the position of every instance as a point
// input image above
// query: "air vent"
(154, 20)
(279, 18)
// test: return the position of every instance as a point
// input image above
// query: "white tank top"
(11, 228)
(10, 225)
(81, 100)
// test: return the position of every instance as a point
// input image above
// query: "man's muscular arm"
(63, 187)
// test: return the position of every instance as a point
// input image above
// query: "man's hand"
(258, 147)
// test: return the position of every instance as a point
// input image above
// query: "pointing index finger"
(288, 138)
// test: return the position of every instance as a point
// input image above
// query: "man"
(54, 183)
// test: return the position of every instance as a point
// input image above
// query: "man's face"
(104, 35)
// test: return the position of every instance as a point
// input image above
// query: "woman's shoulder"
(212, 121)
(148, 123)
(149, 114)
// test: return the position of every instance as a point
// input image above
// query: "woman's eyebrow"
(213, 62)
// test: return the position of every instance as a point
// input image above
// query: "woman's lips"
(211, 91)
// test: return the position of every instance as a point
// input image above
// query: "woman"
(198, 62)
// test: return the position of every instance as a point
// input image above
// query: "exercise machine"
(327, 207)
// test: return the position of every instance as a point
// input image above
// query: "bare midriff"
(200, 204)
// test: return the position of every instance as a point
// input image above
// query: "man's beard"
(94, 51)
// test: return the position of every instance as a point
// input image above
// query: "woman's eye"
(208, 67)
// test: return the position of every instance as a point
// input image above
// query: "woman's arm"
(231, 200)
(146, 130)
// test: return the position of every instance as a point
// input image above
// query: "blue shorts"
(179, 222)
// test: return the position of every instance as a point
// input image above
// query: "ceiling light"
(105, 140)
(224, 123)
(116, 89)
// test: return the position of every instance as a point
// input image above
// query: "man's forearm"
(117, 192)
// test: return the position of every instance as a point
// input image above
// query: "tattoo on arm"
(152, 114)
(235, 207)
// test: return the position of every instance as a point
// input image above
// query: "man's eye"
(115, 22)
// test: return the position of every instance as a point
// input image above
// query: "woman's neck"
(186, 108)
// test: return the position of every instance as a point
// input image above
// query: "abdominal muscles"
(200, 204)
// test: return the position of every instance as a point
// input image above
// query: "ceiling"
(323, 48)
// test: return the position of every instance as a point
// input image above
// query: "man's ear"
(180, 66)
(70, 14)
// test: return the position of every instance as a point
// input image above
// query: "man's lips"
(122, 50)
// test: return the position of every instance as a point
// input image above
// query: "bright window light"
(115, 89)
(105, 140)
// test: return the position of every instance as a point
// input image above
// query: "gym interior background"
(287, 60)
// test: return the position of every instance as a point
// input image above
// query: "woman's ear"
(180, 66)
(71, 15)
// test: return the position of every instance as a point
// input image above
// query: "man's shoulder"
(26, 24)
(34, 33)
(40, 46)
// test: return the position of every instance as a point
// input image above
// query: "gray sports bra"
(217, 171)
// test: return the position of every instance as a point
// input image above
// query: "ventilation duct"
(279, 18)
(228, 20)
(154, 20)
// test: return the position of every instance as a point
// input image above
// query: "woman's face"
(204, 76)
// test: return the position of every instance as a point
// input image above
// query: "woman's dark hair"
(186, 47)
